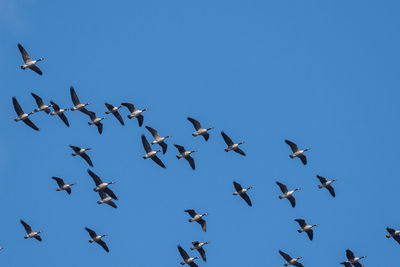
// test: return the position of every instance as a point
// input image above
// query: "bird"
(135, 113)
(186, 259)
(106, 199)
(231, 145)
(30, 233)
(151, 153)
(114, 110)
(393, 233)
(22, 116)
(82, 152)
(186, 154)
(28, 62)
(62, 186)
(346, 264)
(102, 186)
(60, 112)
(41, 105)
(77, 104)
(198, 218)
(242, 192)
(287, 194)
(353, 260)
(158, 140)
(200, 130)
(306, 228)
(297, 153)
(96, 121)
(97, 238)
(326, 184)
(199, 247)
(290, 260)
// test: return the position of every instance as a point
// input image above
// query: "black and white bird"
(41, 105)
(393, 233)
(186, 259)
(287, 194)
(82, 152)
(97, 238)
(150, 153)
(231, 145)
(63, 186)
(30, 233)
(290, 260)
(242, 192)
(198, 218)
(352, 259)
(199, 247)
(306, 228)
(28, 62)
(158, 140)
(102, 186)
(199, 129)
(297, 153)
(94, 120)
(106, 199)
(326, 184)
(22, 116)
(77, 103)
(114, 110)
(60, 112)
(135, 113)
(186, 154)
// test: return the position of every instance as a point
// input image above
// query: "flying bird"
(242, 192)
(290, 260)
(82, 152)
(41, 105)
(30, 233)
(199, 247)
(106, 199)
(77, 103)
(186, 154)
(326, 184)
(306, 228)
(22, 116)
(353, 260)
(231, 145)
(150, 153)
(186, 259)
(60, 112)
(200, 130)
(287, 194)
(393, 233)
(297, 153)
(135, 113)
(198, 218)
(158, 140)
(28, 62)
(62, 186)
(97, 238)
(114, 110)
(102, 186)
(94, 120)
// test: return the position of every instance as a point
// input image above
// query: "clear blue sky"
(324, 74)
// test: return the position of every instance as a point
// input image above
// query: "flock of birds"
(107, 196)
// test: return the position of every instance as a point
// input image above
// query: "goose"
(102, 186)
(96, 121)
(393, 233)
(158, 139)
(290, 260)
(60, 112)
(327, 184)
(62, 186)
(297, 153)
(22, 116)
(28, 62)
(186, 154)
(198, 218)
(306, 228)
(231, 145)
(82, 152)
(114, 110)
(186, 259)
(353, 260)
(287, 194)
(242, 192)
(30, 233)
(41, 105)
(106, 199)
(77, 104)
(135, 113)
(151, 153)
(200, 130)
(97, 238)
(199, 247)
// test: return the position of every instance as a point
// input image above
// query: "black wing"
(85, 111)
(74, 97)
(95, 177)
(203, 224)
(130, 106)
(321, 179)
(68, 190)
(331, 190)
(285, 256)
(397, 238)
(282, 187)
(87, 159)
(193, 264)
(109, 192)
(119, 117)
(158, 161)
(310, 234)
(202, 254)
(17, 107)
(36, 69)
(303, 159)
(24, 54)
(301, 222)
(183, 253)
(38, 238)
(99, 127)
(91, 114)
(357, 264)
(31, 124)
(238, 150)
(59, 181)
(181, 149)
(237, 186)
(349, 254)
(112, 204)
(292, 145)
(292, 201)
(146, 144)
(206, 136)
(246, 198)
(27, 227)
(164, 147)
(38, 99)
(298, 264)
(64, 118)
(195, 123)
(54, 105)
(192, 213)
(109, 106)
(140, 120)
(91, 232)
(227, 140)
(103, 244)
(191, 162)
(153, 132)
(75, 148)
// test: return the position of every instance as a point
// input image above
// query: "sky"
(323, 74)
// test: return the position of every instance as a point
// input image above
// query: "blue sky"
(323, 74)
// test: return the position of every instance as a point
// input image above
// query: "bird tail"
(388, 236)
